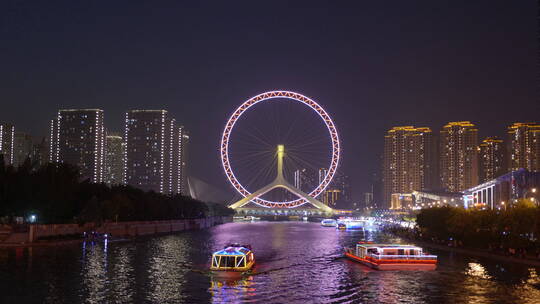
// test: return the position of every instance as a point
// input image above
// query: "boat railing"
(402, 257)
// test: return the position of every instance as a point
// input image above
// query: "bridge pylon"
(280, 182)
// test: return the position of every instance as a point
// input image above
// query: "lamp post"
(533, 198)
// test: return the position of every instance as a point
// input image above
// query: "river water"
(297, 262)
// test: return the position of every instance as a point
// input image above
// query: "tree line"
(516, 227)
(54, 193)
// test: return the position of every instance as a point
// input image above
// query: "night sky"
(371, 64)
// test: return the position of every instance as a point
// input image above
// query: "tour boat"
(233, 257)
(329, 223)
(247, 218)
(349, 223)
(391, 256)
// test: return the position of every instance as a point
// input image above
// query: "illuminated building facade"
(524, 146)
(502, 191)
(458, 156)
(155, 152)
(7, 144)
(23, 148)
(182, 161)
(409, 161)
(114, 160)
(305, 180)
(337, 192)
(77, 137)
(492, 152)
(368, 199)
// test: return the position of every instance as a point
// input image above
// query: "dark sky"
(371, 64)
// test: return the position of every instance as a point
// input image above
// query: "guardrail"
(402, 257)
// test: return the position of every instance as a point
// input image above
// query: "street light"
(532, 198)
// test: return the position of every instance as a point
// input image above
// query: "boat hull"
(409, 265)
(233, 269)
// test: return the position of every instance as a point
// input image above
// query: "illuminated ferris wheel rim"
(269, 96)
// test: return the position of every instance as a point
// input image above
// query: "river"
(297, 262)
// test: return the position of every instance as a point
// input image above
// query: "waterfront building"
(23, 148)
(458, 156)
(409, 161)
(504, 190)
(77, 137)
(114, 160)
(155, 152)
(434, 198)
(7, 144)
(524, 146)
(401, 201)
(492, 152)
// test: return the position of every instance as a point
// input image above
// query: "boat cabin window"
(372, 251)
(227, 261)
(391, 251)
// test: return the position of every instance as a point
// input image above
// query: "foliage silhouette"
(56, 194)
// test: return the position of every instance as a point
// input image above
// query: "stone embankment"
(32, 234)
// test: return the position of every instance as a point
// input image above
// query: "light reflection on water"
(296, 263)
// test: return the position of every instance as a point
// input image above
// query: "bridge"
(317, 209)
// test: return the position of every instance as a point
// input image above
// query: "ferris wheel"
(330, 149)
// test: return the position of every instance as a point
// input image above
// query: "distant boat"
(391, 256)
(328, 223)
(350, 223)
(247, 218)
(233, 257)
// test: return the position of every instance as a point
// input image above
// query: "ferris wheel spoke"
(262, 176)
(307, 140)
(259, 138)
(301, 164)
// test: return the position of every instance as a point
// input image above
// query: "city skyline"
(413, 78)
(270, 151)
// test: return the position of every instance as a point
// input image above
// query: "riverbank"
(59, 234)
(468, 251)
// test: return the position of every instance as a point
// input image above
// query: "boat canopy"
(232, 258)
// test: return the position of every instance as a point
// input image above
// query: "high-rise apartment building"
(155, 152)
(40, 152)
(114, 160)
(337, 191)
(77, 137)
(524, 146)
(409, 161)
(305, 180)
(368, 200)
(492, 152)
(458, 156)
(23, 148)
(182, 155)
(7, 142)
